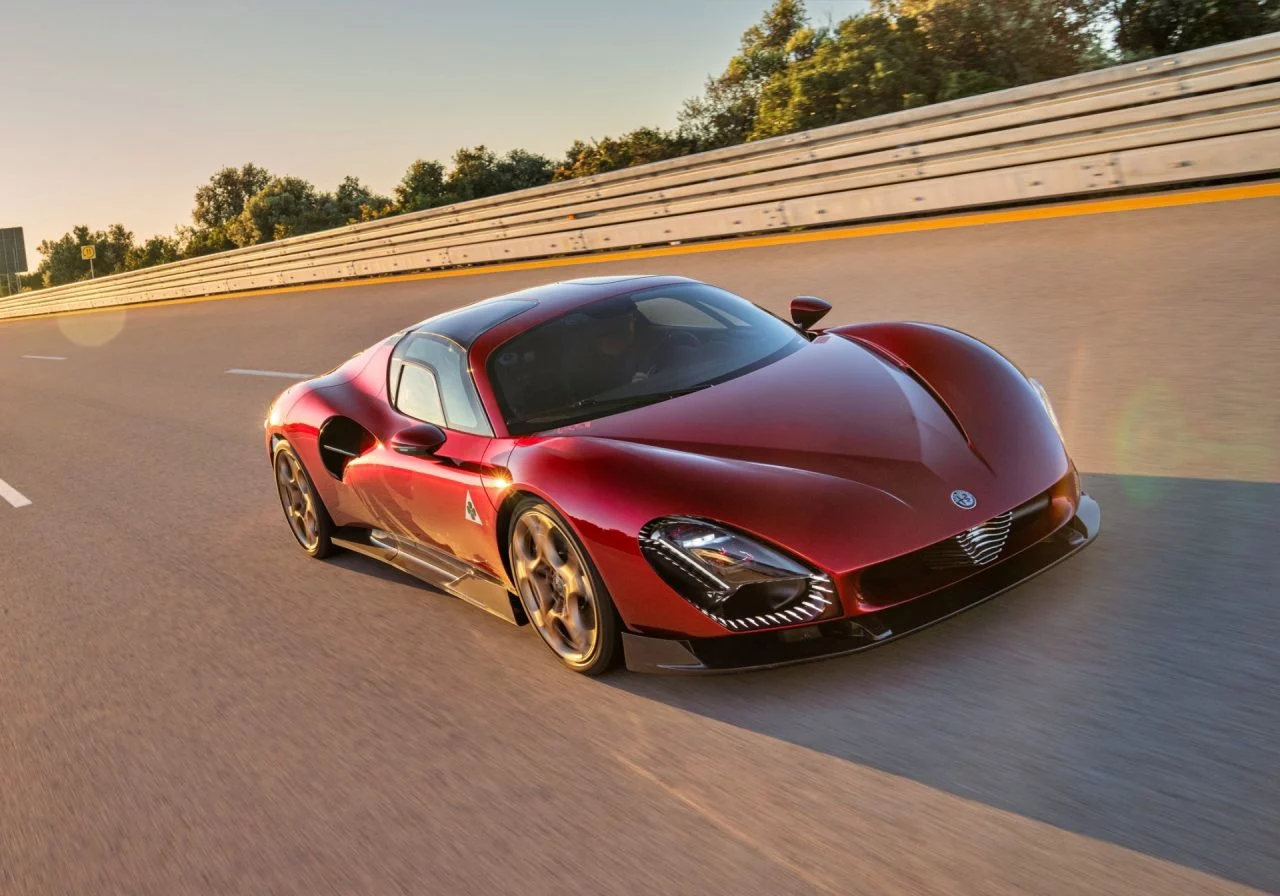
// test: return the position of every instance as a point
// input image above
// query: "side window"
(418, 395)
(429, 375)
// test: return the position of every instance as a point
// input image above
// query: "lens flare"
(93, 330)
(1154, 438)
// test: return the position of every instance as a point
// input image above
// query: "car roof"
(464, 325)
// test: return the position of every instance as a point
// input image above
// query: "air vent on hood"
(915, 375)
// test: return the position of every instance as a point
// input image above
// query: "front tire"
(303, 509)
(560, 590)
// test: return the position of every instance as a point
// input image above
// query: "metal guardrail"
(1203, 115)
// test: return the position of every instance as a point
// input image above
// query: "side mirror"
(422, 440)
(808, 310)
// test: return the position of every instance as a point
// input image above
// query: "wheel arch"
(511, 499)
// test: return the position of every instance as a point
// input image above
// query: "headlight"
(735, 580)
(1048, 406)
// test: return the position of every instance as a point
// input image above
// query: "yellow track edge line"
(1078, 208)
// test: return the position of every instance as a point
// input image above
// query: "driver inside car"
(611, 352)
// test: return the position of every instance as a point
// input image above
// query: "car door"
(438, 500)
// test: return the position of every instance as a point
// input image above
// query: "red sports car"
(652, 467)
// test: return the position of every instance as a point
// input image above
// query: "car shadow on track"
(1128, 694)
(370, 567)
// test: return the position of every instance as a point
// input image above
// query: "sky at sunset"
(126, 107)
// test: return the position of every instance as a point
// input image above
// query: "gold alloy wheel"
(299, 500)
(555, 586)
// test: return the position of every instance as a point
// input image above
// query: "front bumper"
(767, 650)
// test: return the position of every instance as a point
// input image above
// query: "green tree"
(869, 65)
(1146, 28)
(908, 53)
(113, 248)
(726, 112)
(218, 206)
(477, 172)
(223, 198)
(352, 201)
(157, 250)
(285, 207)
(980, 45)
(421, 187)
(24, 282)
(62, 262)
(196, 241)
(473, 175)
(523, 170)
(638, 147)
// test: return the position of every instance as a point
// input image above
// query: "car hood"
(831, 438)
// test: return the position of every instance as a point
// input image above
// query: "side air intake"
(341, 440)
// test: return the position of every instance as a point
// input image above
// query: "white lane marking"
(44, 357)
(276, 373)
(12, 495)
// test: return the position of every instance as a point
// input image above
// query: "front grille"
(950, 560)
(979, 546)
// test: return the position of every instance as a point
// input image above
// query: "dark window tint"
(626, 351)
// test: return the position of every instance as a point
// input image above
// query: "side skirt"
(435, 567)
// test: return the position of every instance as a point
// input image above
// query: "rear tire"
(561, 591)
(303, 510)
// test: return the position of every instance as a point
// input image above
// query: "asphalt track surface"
(188, 704)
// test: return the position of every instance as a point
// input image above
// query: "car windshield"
(631, 350)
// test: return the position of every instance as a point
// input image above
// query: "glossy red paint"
(808, 310)
(845, 454)
(423, 498)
